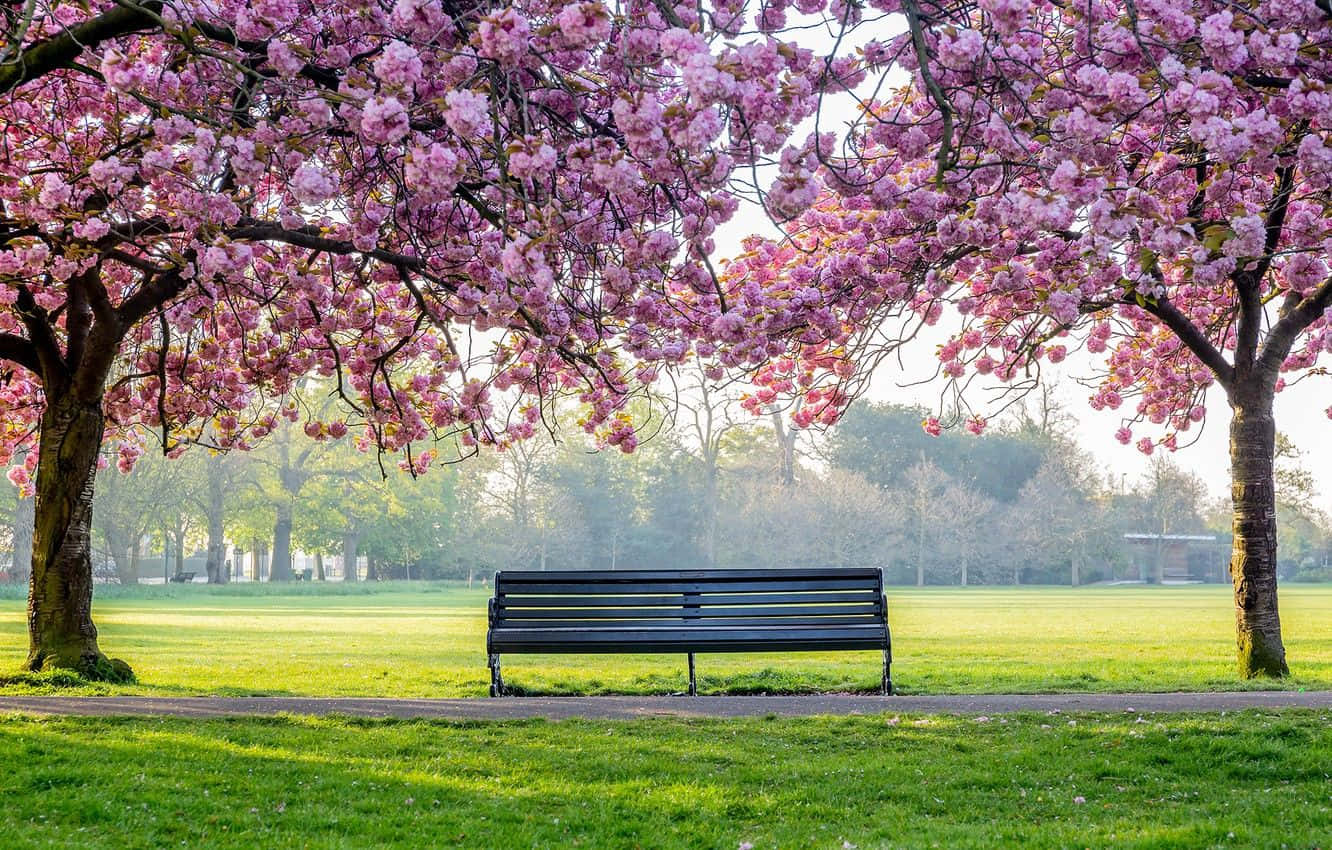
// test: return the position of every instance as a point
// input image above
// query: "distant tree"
(883, 441)
(1060, 521)
(924, 486)
(1173, 503)
(840, 520)
(969, 535)
(156, 495)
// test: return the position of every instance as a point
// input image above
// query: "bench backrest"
(703, 598)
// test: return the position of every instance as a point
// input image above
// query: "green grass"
(1250, 779)
(429, 640)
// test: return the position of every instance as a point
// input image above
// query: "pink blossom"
(384, 120)
(504, 37)
(582, 24)
(399, 65)
(466, 111)
(312, 185)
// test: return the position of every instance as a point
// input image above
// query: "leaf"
(1216, 236)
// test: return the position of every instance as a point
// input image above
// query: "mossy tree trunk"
(60, 626)
(1253, 559)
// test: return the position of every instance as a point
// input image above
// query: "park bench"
(182, 578)
(689, 611)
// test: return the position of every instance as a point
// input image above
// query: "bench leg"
(887, 677)
(693, 688)
(496, 680)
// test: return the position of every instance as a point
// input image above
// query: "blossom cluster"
(1109, 181)
(450, 213)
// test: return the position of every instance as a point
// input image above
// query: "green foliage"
(883, 441)
(1250, 779)
(428, 640)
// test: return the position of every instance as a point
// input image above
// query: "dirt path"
(657, 706)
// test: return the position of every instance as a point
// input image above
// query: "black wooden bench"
(182, 578)
(687, 611)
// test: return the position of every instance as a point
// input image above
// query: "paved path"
(667, 706)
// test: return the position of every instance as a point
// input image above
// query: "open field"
(429, 641)
(1034, 781)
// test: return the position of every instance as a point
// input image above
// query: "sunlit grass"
(423, 641)
(1250, 779)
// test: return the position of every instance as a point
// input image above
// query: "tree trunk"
(920, 552)
(23, 521)
(964, 572)
(279, 568)
(127, 571)
(1075, 567)
(351, 542)
(178, 543)
(319, 566)
(60, 627)
(217, 544)
(1159, 573)
(1253, 560)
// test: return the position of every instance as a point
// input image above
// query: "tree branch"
(59, 51)
(1292, 323)
(18, 350)
(252, 230)
(42, 339)
(1192, 337)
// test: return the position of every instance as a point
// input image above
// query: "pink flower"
(932, 426)
(399, 65)
(1146, 446)
(504, 37)
(311, 185)
(1124, 435)
(284, 59)
(384, 120)
(466, 111)
(583, 24)
(55, 192)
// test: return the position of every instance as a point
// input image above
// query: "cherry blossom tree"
(1142, 185)
(449, 209)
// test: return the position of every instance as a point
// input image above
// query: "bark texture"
(1253, 563)
(60, 627)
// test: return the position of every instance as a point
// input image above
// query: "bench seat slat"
(870, 574)
(700, 625)
(511, 601)
(691, 586)
(676, 640)
(702, 612)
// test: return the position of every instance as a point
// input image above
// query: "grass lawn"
(423, 640)
(1034, 781)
